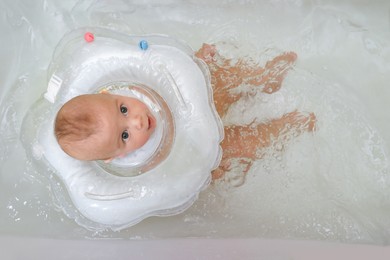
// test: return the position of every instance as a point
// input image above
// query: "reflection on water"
(331, 185)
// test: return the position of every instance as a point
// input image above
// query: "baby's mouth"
(150, 122)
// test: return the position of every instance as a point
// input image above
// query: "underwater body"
(330, 185)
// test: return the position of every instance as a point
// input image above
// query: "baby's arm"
(247, 141)
(226, 76)
(244, 141)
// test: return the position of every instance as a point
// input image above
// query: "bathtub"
(326, 195)
(228, 248)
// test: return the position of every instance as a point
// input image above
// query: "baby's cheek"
(142, 140)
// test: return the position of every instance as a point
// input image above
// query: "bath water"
(332, 184)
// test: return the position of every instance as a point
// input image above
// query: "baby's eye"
(125, 136)
(124, 110)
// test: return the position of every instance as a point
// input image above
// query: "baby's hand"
(223, 167)
(312, 122)
(207, 52)
(276, 70)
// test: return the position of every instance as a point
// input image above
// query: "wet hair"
(74, 124)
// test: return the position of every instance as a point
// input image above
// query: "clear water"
(331, 185)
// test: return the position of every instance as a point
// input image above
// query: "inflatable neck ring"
(165, 176)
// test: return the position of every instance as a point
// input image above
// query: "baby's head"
(103, 126)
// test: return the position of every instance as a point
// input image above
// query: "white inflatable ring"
(91, 59)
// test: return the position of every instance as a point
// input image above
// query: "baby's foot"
(276, 70)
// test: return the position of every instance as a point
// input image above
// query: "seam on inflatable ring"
(172, 82)
(109, 197)
(53, 87)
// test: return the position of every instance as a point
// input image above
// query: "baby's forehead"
(97, 100)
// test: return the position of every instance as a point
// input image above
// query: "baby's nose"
(137, 122)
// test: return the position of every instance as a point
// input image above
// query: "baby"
(105, 126)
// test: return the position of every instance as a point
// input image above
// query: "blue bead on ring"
(143, 45)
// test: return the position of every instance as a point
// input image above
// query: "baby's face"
(127, 124)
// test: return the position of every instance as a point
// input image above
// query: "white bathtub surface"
(226, 249)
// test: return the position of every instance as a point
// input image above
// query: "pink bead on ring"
(89, 37)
